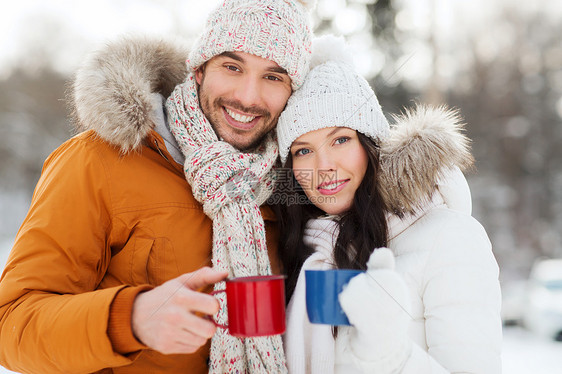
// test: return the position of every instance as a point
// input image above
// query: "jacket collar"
(161, 127)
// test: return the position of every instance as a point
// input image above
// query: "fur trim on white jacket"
(424, 143)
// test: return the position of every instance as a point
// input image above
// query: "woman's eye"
(342, 140)
(302, 152)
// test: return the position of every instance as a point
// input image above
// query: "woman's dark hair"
(361, 229)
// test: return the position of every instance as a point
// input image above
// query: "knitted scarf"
(231, 186)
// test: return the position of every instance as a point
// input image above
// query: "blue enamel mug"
(322, 289)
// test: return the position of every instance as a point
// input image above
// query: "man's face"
(242, 95)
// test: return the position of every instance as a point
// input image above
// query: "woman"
(431, 302)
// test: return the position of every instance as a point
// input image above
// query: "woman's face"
(329, 165)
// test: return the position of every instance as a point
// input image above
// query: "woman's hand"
(377, 304)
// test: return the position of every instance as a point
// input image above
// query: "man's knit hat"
(277, 30)
(333, 95)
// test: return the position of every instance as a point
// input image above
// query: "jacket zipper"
(172, 163)
(160, 151)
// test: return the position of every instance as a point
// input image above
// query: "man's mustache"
(253, 110)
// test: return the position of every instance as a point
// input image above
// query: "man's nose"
(248, 92)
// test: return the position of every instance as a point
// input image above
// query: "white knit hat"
(277, 30)
(333, 95)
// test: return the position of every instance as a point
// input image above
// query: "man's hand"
(164, 318)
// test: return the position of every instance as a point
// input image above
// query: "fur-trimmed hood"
(425, 143)
(113, 92)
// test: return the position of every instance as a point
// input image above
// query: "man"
(106, 271)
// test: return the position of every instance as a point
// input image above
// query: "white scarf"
(231, 186)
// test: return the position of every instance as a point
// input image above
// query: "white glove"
(377, 304)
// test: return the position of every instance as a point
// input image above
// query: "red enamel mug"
(256, 305)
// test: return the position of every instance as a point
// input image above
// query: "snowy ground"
(523, 352)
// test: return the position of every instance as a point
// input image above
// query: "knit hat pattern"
(333, 95)
(277, 30)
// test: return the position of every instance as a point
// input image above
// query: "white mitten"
(377, 304)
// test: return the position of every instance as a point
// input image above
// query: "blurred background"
(498, 61)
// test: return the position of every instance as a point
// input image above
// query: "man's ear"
(199, 74)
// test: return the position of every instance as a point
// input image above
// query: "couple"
(110, 269)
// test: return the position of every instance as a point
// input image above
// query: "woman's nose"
(325, 160)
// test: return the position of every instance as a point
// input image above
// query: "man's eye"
(272, 78)
(232, 68)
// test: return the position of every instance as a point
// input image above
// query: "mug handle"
(210, 318)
